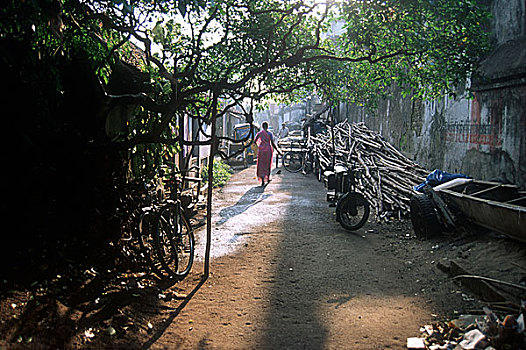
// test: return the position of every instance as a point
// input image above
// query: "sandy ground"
(284, 275)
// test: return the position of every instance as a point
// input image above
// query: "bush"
(222, 173)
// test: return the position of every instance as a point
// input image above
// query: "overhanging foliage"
(63, 63)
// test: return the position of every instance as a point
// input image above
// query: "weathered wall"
(484, 136)
(508, 20)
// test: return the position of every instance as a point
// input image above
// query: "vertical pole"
(182, 153)
(213, 141)
(333, 124)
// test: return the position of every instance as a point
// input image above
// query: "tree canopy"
(426, 47)
(196, 50)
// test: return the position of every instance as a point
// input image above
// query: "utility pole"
(213, 147)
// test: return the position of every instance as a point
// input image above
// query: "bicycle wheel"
(352, 211)
(308, 164)
(292, 161)
(174, 242)
(146, 240)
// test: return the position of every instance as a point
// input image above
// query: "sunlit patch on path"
(237, 212)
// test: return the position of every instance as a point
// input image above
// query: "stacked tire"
(424, 216)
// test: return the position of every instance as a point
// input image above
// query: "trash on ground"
(469, 332)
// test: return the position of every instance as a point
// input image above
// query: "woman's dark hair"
(264, 125)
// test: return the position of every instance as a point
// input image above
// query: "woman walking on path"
(265, 141)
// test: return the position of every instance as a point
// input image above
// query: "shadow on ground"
(332, 289)
(252, 197)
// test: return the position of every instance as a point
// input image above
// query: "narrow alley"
(285, 275)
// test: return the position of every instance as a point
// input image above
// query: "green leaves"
(246, 50)
(221, 173)
(425, 47)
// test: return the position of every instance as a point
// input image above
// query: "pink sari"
(263, 140)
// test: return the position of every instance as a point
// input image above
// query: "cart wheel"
(292, 161)
(424, 217)
(352, 211)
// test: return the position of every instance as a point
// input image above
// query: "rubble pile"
(468, 332)
(388, 175)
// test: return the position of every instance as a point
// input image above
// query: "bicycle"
(166, 237)
(302, 159)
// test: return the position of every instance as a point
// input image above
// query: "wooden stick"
(518, 265)
(488, 279)
(388, 174)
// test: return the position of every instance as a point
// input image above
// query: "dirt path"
(294, 279)
(284, 275)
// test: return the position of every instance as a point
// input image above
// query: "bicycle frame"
(303, 154)
(165, 236)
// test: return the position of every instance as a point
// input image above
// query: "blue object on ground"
(437, 177)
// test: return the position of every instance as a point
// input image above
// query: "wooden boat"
(496, 206)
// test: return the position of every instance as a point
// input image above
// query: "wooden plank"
(479, 287)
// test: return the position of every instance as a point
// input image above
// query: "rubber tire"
(308, 164)
(147, 241)
(172, 229)
(342, 211)
(296, 157)
(187, 242)
(424, 217)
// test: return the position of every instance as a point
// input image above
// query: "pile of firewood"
(387, 175)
